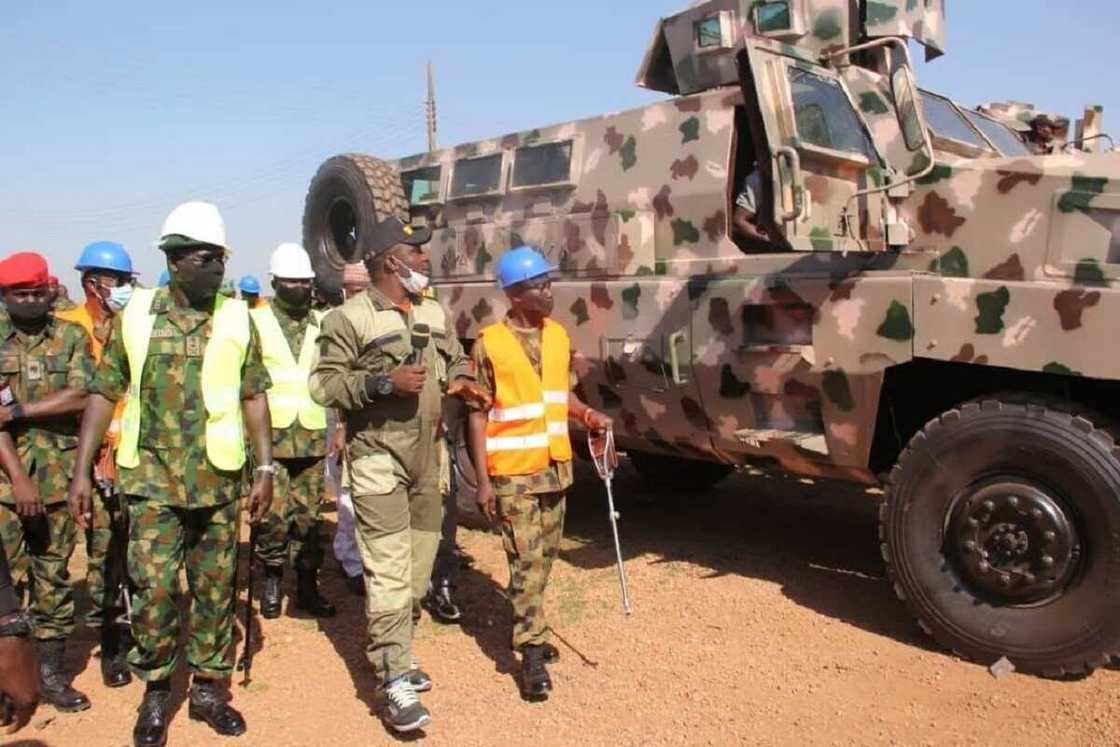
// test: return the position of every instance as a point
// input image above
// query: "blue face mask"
(119, 297)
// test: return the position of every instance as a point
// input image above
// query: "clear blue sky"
(113, 112)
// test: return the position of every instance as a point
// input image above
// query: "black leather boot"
(534, 681)
(115, 642)
(549, 653)
(152, 720)
(308, 598)
(272, 594)
(55, 687)
(441, 604)
(208, 702)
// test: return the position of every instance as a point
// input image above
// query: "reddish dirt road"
(761, 617)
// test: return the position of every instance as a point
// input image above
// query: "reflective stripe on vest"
(527, 428)
(289, 396)
(221, 378)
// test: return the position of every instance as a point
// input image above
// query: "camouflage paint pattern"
(39, 550)
(532, 527)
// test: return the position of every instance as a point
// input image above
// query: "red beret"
(23, 268)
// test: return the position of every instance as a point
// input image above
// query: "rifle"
(245, 664)
(605, 458)
(117, 563)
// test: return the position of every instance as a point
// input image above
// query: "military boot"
(534, 682)
(272, 594)
(55, 687)
(115, 642)
(152, 719)
(440, 603)
(308, 598)
(209, 703)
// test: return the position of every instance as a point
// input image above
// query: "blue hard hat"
(104, 255)
(249, 284)
(521, 264)
(164, 279)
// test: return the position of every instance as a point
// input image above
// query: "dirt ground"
(761, 616)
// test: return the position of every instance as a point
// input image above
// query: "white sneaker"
(404, 711)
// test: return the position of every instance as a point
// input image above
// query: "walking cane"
(245, 664)
(605, 458)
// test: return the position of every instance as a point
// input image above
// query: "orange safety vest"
(527, 427)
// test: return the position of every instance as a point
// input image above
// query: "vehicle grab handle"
(793, 162)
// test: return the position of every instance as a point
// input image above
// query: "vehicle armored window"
(477, 177)
(778, 19)
(825, 116)
(543, 165)
(948, 124)
(422, 186)
(1001, 135)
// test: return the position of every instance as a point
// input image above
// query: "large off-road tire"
(347, 196)
(1001, 532)
(676, 473)
(464, 482)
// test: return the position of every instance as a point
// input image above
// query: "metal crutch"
(605, 460)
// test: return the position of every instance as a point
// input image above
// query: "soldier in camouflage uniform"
(47, 365)
(521, 450)
(289, 328)
(390, 397)
(190, 364)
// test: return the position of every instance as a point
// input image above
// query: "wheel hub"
(1014, 542)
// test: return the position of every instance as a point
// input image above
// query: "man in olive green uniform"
(190, 365)
(289, 330)
(47, 363)
(389, 390)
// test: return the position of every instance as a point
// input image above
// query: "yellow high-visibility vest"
(527, 427)
(222, 362)
(289, 396)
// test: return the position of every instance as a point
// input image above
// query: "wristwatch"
(269, 468)
(17, 623)
(381, 385)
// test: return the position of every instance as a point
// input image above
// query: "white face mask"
(119, 297)
(415, 283)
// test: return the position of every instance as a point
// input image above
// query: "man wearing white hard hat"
(187, 361)
(288, 329)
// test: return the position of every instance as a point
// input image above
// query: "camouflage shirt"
(296, 442)
(558, 476)
(34, 366)
(173, 467)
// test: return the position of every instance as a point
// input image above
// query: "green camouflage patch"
(992, 307)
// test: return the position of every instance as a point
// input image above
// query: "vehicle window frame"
(441, 189)
(497, 191)
(969, 113)
(795, 30)
(949, 143)
(863, 160)
(575, 159)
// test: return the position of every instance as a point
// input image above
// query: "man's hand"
(598, 422)
(260, 497)
(338, 442)
(487, 502)
(408, 381)
(26, 493)
(19, 681)
(470, 392)
(80, 500)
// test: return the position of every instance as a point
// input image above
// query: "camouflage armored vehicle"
(927, 306)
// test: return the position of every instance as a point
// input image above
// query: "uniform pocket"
(58, 367)
(373, 474)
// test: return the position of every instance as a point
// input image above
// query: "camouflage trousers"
(532, 526)
(105, 552)
(398, 528)
(290, 531)
(39, 550)
(163, 540)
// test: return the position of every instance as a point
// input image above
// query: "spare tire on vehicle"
(348, 195)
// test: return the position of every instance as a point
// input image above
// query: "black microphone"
(421, 334)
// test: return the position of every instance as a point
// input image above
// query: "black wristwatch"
(18, 624)
(379, 386)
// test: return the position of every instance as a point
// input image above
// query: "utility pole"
(430, 108)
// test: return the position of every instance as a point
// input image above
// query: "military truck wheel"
(1001, 533)
(674, 473)
(464, 484)
(349, 194)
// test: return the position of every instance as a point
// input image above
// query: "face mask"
(293, 297)
(28, 311)
(199, 284)
(118, 297)
(415, 283)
